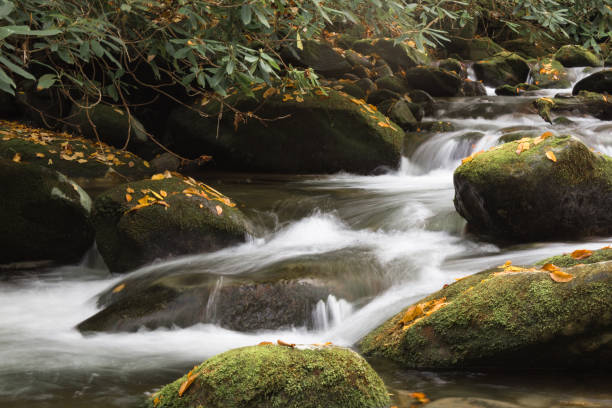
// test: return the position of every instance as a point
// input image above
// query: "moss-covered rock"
(598, 82)
(343, 133)
(453, 65)
(473, 49)
(139, 222)
(401, 113)
(75, 157)
(585, 103)
(278, 376)
(434, 81)
(532, 196)
(549, 73)
(397, 55)
(516, 90)
(577, 56)
(527, 48)
(43, 215)
(502, 68)
(509, 320)
(323, 58)
(566, 260)
(392, 83)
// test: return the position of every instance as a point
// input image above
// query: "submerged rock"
(43, 215)
(505, 318)
(502, 68)
(343, 133)
(577, 56)
(277, 376)
(555, 188)
(598, 82)
(139, 222)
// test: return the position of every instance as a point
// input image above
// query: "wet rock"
(349, 87)
(529, 197)
(323, 58)
(577, 56)
(77, 158)
(502, 68)
(366, 84)
(382, 69)
(472, 88)
(549, 73)
(165, 161)
(396, 55)
(453, 65)
(357, 59)
(343, 133)
(392, 83)
(520, 319)
(423, 99)
(516, 90)
(401, 113)
(468, 402)
(585, 103)
(600, 82)
(43, 215)
(139, 222)
(381, 95)
(473, 49)
(434, 81)
(272, 375)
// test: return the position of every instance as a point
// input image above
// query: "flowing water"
(392, 238)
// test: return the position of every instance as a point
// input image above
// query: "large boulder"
(549, 73)
(323, 58)
(169, 215)
(43, 215)
(505, 318)
(502, 68)
(77, 158)
(535, 189)
(473, 49)
(397, 55)
(598, 82)
(434, 81)
(585, 103)
(277, 376)
(343, 133)
(577, 56)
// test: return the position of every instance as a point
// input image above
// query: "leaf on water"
(551, 156)
(17, 158)
(129, 190)
(581, 254)
(523, 146)
(219, 210)
(187, 383)
(560, 276)
(282, 343)
(119, 288)
(128, 197)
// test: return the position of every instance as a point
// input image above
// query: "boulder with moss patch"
(474, 48)
(584, 103)
(323, 58)
(546, 188)
(577, 56)
(43, 215)
(502, 68)
(549, 73)
(137, 223)
(277, 376)
(434, 81)
(343, 133)
(396, 54)
(505, 318)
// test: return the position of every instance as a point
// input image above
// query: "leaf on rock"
(470, 157)
(417, 312)
(269, 92)
(128, 197)
(119, 288)
(523, 146)
(560, 276)
(421, 397)
(41, 155)
(129, 190)
(581, 254)
(158, 176)
(17, 158)
(551, 156)
(163, 193)
(550, 267)
(282, 343)
(219, 210)
(265, 343)
(187, 383)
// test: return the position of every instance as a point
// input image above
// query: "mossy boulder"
(139, 222)
(343, 133)
(549, 73)
(392, 83)
(77, 158)
(397, 55)
(528, 48)
(556, 189)
(600, 82)
(585, 103)
(43, 215)
(502, 68)
(472, 88)
(323, 58)
(506, 319)
(434, 81)
(516, 90)
(401, 113)
(473, 49)
(278, 376)
(453, 65)
(577, 56)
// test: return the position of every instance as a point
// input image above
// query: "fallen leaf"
(17, 158)
(129, 190)
(131, 164)
(550, 267)
(128, 197)
(40, 155)
(269, 92)
(282, 343)
(187, 383)
(158, 176)
(581, 254)
(523, 146)
(146, 163)
(551, 156)
(265, 343)
(560, 276)
(219, 210)
(119, 288)
(163, 193)
(421, 397)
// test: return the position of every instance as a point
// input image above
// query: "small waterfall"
(330, 313)
(472, 77)
(211, 305)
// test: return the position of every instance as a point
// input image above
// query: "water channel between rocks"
(383, 241)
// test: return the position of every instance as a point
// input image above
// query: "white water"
(402, 223)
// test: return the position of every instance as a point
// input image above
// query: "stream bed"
(387, 240)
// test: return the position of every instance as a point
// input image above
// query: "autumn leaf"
(265, 343)
(119, 288)
(187, 383)
(551, 156)
(581, 254)
(560, 276)
(40, 155)
(219, 210)
(421, 397)
(128, 197)
(129, 190)
(522, 147)
(163, 193)
(131, 164)
(287, 97)
(550, 267)
(17, 158)
(269, 92)
(146, 164)
(282, 343)
(158, 176)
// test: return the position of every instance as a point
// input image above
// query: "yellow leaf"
(146, 163)
(560, 276)
(131, 164)
(81, 161)
(128, 198)
(129, 190)
(269, 92)
(383, 124)
(145, 200)
(282, 343)
(40, 155)
(287, 97)
(219, 209)
(299, 41)
(158, 176)
(522, 147)
(50, 162)
(17, 158)
(299, 99)
(187, 383)
(157, 195)
(550, 267)
(581, 254)
(163, 193)
(119, 288)
(551, 156)
(265, 343)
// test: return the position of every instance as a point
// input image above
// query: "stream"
(392, 238)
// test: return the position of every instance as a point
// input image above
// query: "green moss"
(566, 260)
(577, 56)
(275, 376)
